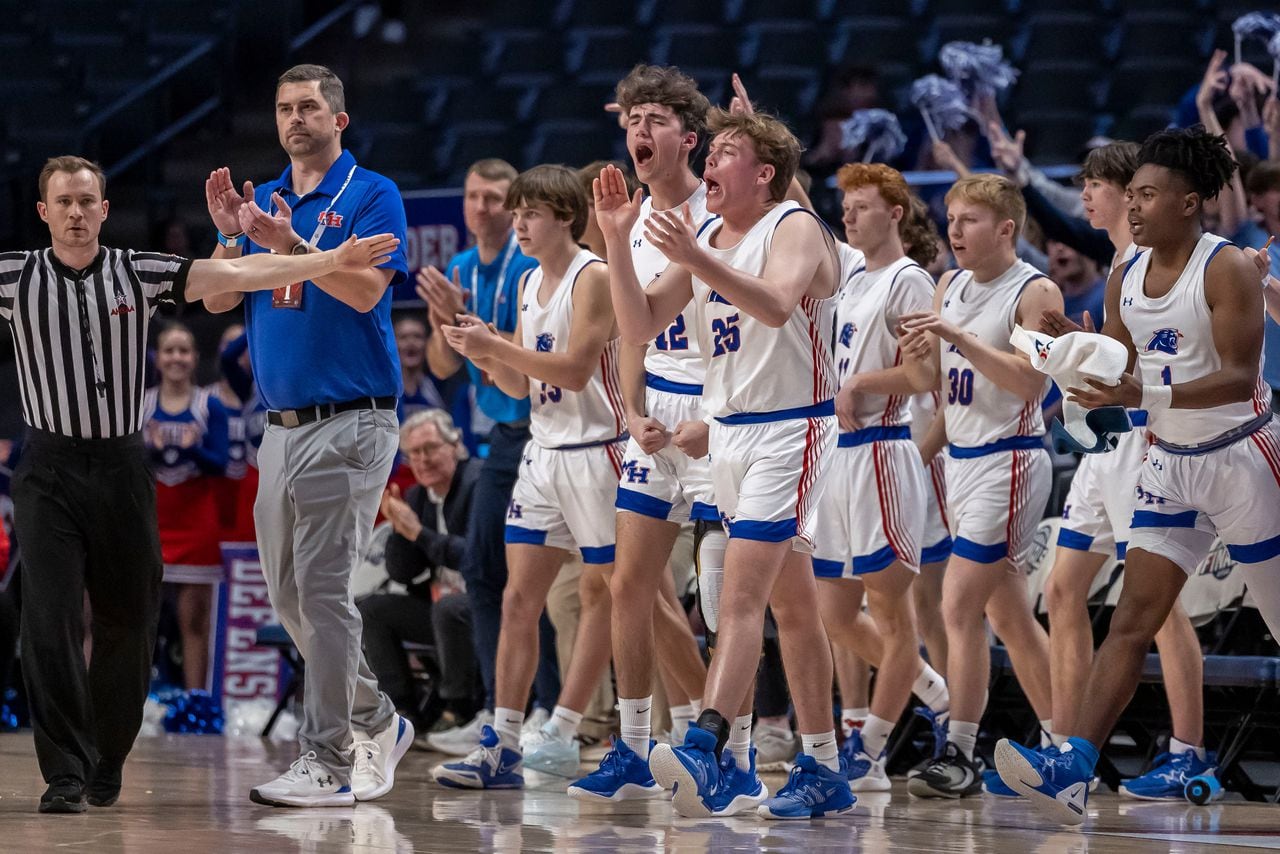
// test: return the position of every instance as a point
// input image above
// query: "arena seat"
(1059, 37)
(601, 53)
(695, 46)
(785, 44)
(1059, 86)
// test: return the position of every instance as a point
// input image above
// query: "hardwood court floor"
(189, 794)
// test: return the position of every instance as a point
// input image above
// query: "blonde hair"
(994, 192)
(773, 142)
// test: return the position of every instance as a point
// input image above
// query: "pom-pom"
(941, 103)
(1256, 25)
(980, 69)
(876, 132)
(194, 712)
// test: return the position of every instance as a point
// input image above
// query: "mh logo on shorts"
(514, 510)
(544, 342)
(634, 472)
(846, 333)
(1164, 341)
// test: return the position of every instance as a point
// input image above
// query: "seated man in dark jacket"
(423, 553)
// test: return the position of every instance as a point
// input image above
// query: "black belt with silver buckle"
(321, 411)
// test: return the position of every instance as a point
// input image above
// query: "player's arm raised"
(642, 313)
(798, 249)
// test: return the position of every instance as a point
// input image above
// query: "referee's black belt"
(321, 411)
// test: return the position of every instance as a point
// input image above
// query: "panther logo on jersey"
(846, 333)
(545, 342)
(1164, 341)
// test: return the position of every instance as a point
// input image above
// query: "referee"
(84, 501)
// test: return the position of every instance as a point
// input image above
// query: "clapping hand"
(472, 337)
(616, 210)
(270, 231)
(674, 235)
(224, 202)
(401, 516)
(445, 299)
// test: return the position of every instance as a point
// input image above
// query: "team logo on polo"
(846, 333)
(545, 341)
(329, 219)
(1164, 341)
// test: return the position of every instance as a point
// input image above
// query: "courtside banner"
(435, 234)
(242, 670)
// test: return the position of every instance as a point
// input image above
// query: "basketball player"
(998, 474)
(871, 538)
(1095, 525)
(762, 283)
(564, 359)
(186, 433)
(661, 486)
(1190, 310)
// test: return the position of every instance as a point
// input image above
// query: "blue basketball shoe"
(1055, 780)
(489, 766)
(1168, 777)
(691, 771)
(812, 791)
(864, 772)
(622, 776)
(993, 785)
(741, 791)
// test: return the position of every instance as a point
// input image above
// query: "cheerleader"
(186, 434)
(246, 422)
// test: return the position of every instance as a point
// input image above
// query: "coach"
(84, 500)
(324, 357)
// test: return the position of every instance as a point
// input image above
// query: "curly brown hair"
(919, 233)
(670, 87)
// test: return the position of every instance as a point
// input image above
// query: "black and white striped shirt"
(81, 335)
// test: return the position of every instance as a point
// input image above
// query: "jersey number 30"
(961, 386)
(727, 336)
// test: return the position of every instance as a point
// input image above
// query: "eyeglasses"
(425, 450)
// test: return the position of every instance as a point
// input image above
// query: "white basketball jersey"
(675, 354)
(1173, 336)
(923, 407)
(867, 313)
(560, 416)
(752, 367)
(977, 410)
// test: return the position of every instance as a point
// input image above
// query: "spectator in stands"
(187, 436)
(484, 280)
(420, 390)
(1078, 278)
(1226, 214)
(850, 88)
(173, 236)
(425, 550)
(1264, 197)
(592, 238)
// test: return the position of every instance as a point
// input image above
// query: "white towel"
(1068, 360)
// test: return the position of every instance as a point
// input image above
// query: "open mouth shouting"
(644, 155)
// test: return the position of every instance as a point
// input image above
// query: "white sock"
(564, 722)
(635, 716)
(740, 742)
(1046, 733)
(822, 747)
(964, 736)
(875, 735)
(931, 688)
(696, 704)
(1058, 739)
(851, 719)
(1177, 748)
(682, 716)
(507, 723)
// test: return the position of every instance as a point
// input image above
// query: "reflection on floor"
(190, 794)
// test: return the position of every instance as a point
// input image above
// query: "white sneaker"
(547, 752)
(533, 724)
(374, 760)
(461, 740)
(307, 783)
(775, 747)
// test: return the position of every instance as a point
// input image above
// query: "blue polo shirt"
(327, 352)
(494, 301)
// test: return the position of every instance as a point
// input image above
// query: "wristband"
(1156, 397)
(232, 241)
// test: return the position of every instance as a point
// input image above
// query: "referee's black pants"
(85, 517)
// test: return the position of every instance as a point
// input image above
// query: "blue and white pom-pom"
(980, 69)
(1255, 25)
(941, 103)
(876, 132)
